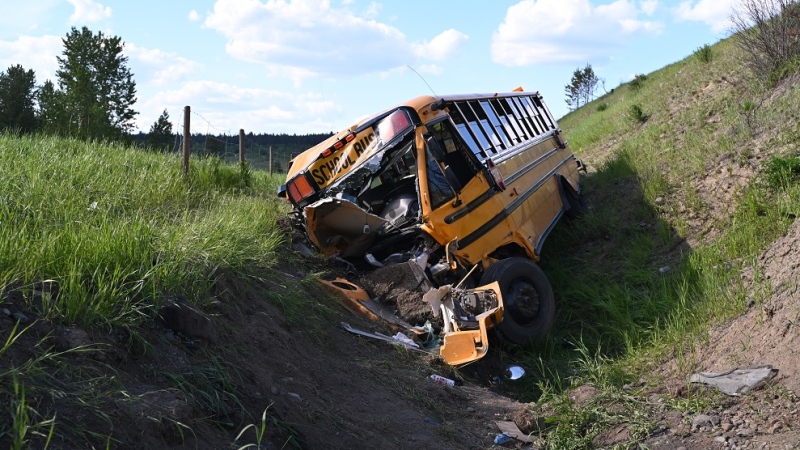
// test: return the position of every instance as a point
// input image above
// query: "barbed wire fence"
(230, 146)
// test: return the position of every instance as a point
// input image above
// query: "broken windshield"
(392, 162)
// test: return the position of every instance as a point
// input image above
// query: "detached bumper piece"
(356, 300)
(465, 335)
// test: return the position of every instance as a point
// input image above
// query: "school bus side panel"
(532, 193)
(435, 221)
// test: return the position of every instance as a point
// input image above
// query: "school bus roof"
(303, 160)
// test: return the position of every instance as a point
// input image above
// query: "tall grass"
(117, 227)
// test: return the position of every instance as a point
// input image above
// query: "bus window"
(455, 153)
(438, 189)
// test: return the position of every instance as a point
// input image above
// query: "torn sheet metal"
(736, 381)
(466, 339)
(398, 339)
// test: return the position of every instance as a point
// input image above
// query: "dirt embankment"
(320, 389)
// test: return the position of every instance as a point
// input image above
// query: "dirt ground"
(323, 389)
(767, 334)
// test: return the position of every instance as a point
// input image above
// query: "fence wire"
(208, 140)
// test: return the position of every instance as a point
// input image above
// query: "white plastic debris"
(736, 381)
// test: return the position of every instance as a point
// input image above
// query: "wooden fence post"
(187, 139)
(241, 145)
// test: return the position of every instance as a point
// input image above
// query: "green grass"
(631, 292)
(117, 229)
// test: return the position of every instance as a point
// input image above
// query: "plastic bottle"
(442, 380)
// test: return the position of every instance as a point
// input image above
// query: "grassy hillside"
(695, 169)
(693, 172)
(116, 230)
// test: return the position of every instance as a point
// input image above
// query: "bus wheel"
(528, 301)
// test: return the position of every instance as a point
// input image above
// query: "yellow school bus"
(463, 187)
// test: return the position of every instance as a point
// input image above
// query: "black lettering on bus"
(319, 179)
(322, 170)
(332, 166)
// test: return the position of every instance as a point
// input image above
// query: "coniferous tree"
(96, 88)
(573, 90)
(18, 99)
(160, 136)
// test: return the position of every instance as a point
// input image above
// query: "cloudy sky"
(307, 66)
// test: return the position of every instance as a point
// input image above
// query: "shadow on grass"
(616, 273)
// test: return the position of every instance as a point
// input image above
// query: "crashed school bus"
(459, 190)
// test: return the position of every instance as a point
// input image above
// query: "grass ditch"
(113, 230)
(643, 275)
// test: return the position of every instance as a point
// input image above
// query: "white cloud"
(442, 46)
(715, 13)
(298, 39)
(194, 16)
(649, 7)
(87, 11)
(37, 53)
(222, 107)
(432, 69)
(373, 10)
(166, 67)
(548, 31)
(25, 17)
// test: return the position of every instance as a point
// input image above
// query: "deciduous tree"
(96, 86)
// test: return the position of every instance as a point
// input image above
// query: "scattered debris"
(431, 422)
(442, 380)
(511, 429)
(736, 381)
(393, 339)
(502, 438)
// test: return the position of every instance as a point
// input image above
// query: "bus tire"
(528, 300)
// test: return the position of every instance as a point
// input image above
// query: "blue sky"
(308, 66)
